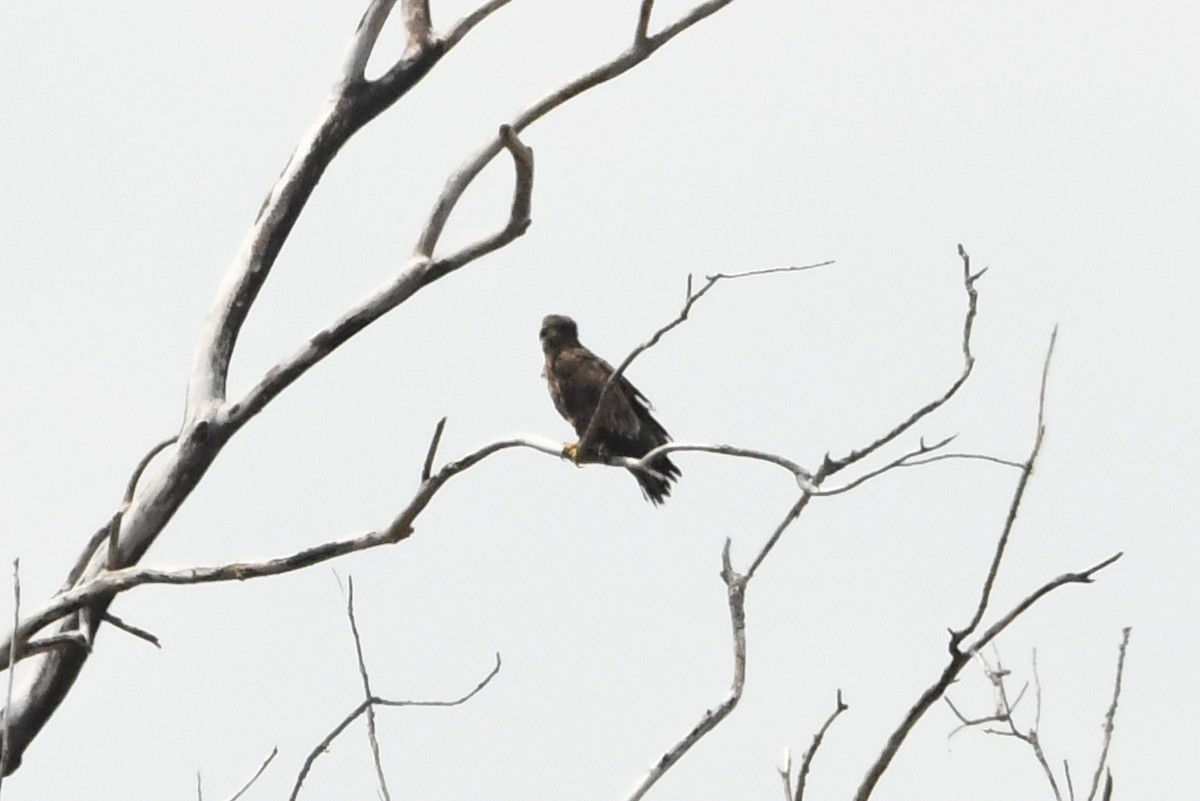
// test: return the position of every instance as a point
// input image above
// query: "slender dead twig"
(136, 476)
(834, 465)
(129, 628)
(464, 25)
(372, 738)
(323, 746)
(1022, 484)
(1108, 718)
(806, 762)
(431, 454)
(735, 586)
(589, 434)
(257, 773)
(959, 656)
(643, 23)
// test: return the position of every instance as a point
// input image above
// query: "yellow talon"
(570, 450)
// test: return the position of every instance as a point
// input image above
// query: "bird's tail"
(654, 488)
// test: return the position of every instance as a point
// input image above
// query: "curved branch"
(415, 277)
(458, 182)
(735, 585)
(690, 300)
(834, 465)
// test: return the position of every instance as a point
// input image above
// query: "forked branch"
(369, 703)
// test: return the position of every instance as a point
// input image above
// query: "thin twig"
(905, 460)
(643, 23)
(372, 738)
(430, 454)
(969, 279)
(464, 25)
(960, 656)
(257, 773)
(136, 476)
(593, 426)
(735, 586)
(806, 763)
(785, 774)
(456, 185)
(323, 746)
(129, 628)
(1081, 577)
(1011, 519)
(1108, 717)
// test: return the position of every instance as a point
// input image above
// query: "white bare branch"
(362, 44)
(589, 434)
(735, 586)
(462, 178)
(1102, 763)
(464, 25)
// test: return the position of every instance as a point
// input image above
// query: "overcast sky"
(1057, 142)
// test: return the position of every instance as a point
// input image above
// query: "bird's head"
(558, 331)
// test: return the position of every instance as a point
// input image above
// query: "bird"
(576, 377)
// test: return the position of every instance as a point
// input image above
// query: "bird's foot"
(570, 450)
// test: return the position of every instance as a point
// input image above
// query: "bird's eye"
(543, 332)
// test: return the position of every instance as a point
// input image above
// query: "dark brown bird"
(576, 377)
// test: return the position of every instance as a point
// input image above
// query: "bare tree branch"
(464, 25)
(735, 586)
(806, 763)
(1014, 507)
(643, 23)
(209, 419)
(110, 583)
(129, 628)
(418, 275)
(416, 23)
(367, 704)
(458, 182)
(431, 454)
(363, 43)
(834, 465)
(372, 738)
(1108, 719)
(136, 476)
(589, 433)
(958, 655)
(257, 773)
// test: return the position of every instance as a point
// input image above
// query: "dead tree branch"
(372, 738)
(832, 466)
(1102, 764)
(261, 769)
(735, 586)
(959, 656)
(806, 762)
(368, 703)
(210, 420)
(690, 300)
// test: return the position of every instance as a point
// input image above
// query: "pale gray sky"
(1057, 142)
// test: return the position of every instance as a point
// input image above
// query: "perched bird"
(576, 377)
